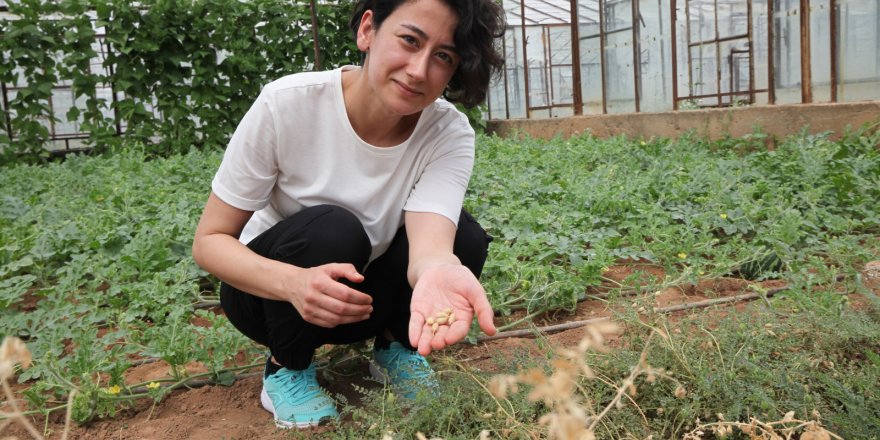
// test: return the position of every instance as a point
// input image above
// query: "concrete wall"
(778, 120)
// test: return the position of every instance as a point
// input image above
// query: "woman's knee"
(340, 233)
(322, 234)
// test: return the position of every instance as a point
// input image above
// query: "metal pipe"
(662, 49)
(602, 57)
(522, 9)
(713, 95)
(771, 81)
(806, 68)
(576, 59)
(734, 73)
(717, 55)
(504, 76)
(832, 14)
(720, 40)
(687, 22)
(674, 45)
(51, 115)
(634, 6)
(751, 53)
(547, 72)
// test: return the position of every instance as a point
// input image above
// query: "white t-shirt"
(296, 148)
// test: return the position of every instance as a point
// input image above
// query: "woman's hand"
(441, 287)
(322, 300)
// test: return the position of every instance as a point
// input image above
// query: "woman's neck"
(372, 123)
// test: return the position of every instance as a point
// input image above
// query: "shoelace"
(297, 385)
(410, 366)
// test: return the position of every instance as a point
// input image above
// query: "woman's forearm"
(233, 263)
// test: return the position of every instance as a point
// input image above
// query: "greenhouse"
(663, 55)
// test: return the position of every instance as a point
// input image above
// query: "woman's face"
(412, 56)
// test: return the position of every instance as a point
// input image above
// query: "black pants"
(329, 234)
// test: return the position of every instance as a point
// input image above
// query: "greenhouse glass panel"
(859, 50)
(618, 15)
(560, 65)
(704, 74)
(591, 67)
(702, 20)
(619, 69)
(761, 44)
(563, 92)
(541, 113)
(514, 71)
(655, 56)
(733, 18)
(787, 51)
(62, 101)
(820, 50)
(560, 44)
(495, 99)
(682, 52)
(535, 49)
(561, 112)
(734, 69)
(105, 95)
(619, 81)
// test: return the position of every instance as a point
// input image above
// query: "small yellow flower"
(644, 143)
(682, 255)
(153, 385)
(605, 269)
(723, 216)
(115, 389)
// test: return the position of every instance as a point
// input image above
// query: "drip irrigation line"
(198, 383)
(206, 304)
(663, 310)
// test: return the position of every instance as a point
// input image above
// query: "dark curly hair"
(480, 24)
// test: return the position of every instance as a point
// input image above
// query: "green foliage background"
(199, 64)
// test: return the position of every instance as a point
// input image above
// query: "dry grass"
(786, 429)
(573, 416)
(14, 352)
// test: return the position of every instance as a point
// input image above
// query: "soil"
(218, 412)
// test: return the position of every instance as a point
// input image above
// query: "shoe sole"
(377, 373)
(267, 405)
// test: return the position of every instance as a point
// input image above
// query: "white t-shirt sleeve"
(442, 185)
(250, 164)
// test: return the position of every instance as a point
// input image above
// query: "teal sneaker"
(406, 370)
(296, 400)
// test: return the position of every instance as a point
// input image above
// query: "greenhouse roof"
(540, 12)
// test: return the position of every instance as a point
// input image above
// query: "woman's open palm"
(451, 287)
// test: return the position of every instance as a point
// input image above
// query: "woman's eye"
(410, 40)
(445, 57)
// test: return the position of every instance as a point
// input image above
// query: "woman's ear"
(366, 31)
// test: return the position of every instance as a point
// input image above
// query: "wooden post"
(576, 59)
(806, 69)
